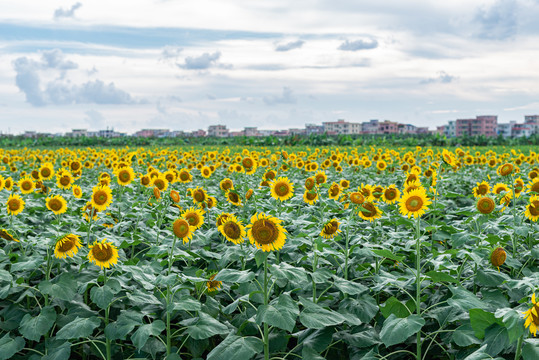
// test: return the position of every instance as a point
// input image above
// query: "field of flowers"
(231, 253)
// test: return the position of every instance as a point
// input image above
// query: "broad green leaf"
(204, 326)
(236, 347)
(364, 308)
(291, 273)
(481, 320)
(281, 313)
(513, 322)
(496, 339)
(5, 276)
(10, 346)
(387, 254)
(360, 338)
(396, 307)
(317, 340)
(530, 350)
(57, 350)
(349, 287)
(487, 277)
(140, 337)
(33, 328)
(78, 328)
(438, 276)
(187, 303)
(396, 330)
(465, 300)
(125, 323)
(234, 276)
(62, 287)
(143, 299)
(315, 316)
(465, 336)
(102, 296)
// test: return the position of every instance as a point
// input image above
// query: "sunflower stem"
(107, 310)
(418, 282)
(315, 264)
(519, 347)
(266, 330)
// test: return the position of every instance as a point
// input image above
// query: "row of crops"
(231, 253)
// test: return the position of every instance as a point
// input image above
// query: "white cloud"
(66, 13)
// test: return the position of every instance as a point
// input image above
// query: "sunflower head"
(481, 189)
(532, 317)
(67, 246)
(266, 232)
(195, 217)
(226, 184)
(485, 205)
(15, 204)
(282, 189)
(331, 229)
(175, 196)
(310, 197)
(213, 285)
(505, 169)
(391, 194)
(221, 219)
(199, 195)
(103, 254)
(7, 235)
(414, 203)
(125, 176)
(233, 230)
(233, 197)
(57, 204)
(532, 209)
(101, 197)
(182, 230)
(497, 257)
(310, 183)
(248, 194)
(369, 211)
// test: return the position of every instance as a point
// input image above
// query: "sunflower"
(500, 188)
(103, 254)
(345, 184)
(67, 245)
(282, 189)
(331, 229)
(27, 185)
(7, 235)
(64, 180)
(226, 184)
(310, 197)
(518, 186)
(2, 182)
(505, 169)
(185, 176)
(8, 184)
(497, 257)
(391, 194)
(357, 197)
(412, 185)
(145, 180)
(46, 171)
(101, 197)
(414, 203)
(205, 172)
(532, 209)
(199, 195)
(183, 230)
(377, 192)
(233, 197)
(160, 182)
(266, 232)
(233, 230)
(175, 196)
(125, 176)
(211, 201)
(366, 191)
(213, 285)
(482, 189)
(310, 183)
(221, 218)
(195, 217)
(533, 187)
(320, 177)
(334, 191)
(485, 205)
(381, 165)
(88, 211)
(369, 211)
(448, 158)
(506, 200)
(15, 204)
(532, 317)
(57, 204)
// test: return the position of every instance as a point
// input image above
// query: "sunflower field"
(264, 253)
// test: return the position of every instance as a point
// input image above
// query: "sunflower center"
(414, 203)
(145, 180)
(160, 184)
(13, 204)
(66, 245)
(26, 185)
(102, 252)
(369, 210)
(233, 197)
(199, 196)
(534, 208)
(334, 191)
(232, 230)
(390, 194)
(192, 219)
(281, 189)
(64, 180)
(264, 232)
(124, 176)
(311, 196)
(100, 197)
(356, 198)
(482, 189)
(45, 172)
(331, 228)
(55, 204)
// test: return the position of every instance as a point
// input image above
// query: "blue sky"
(272, 64)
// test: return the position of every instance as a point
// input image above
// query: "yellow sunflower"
(310, 183)
(532, 317)
(125, 176)
(533, 187)
(320, 177)
(226, 184)
(221, 218)
(282, 189)
(369, 211)
(27, 185)
(77, 191)
(7, 235)
(103, 254)
(199, 195)
(185, 176)
(233, 197)
(334, 191)
(233, 230)
(57, 204)
(331, 229)
(67, 245)
(500, 188)
(64, 180)
(88, 211)
(485, 205)
(505, 169)
(532, 209)
(414, 203)
(183, 230)
(482, 189)
(266, 232)
(195, 217)
(391, 194)
(213, 285)
(366, 191)
(205, 172)
(497, 257)
(15, 204)
(46, 171)
(175, 196)
(145, 180)
(101, 197)
(160, 182)
(310, 197)
(357, 198)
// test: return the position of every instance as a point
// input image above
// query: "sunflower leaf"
(143, 333)
(234, 276)
(281, 313)
(396, 330)
(387, 254)
(204, 326)
(102, 296)
(10, 346)
(33, 328)
(57, 350)
(78, 328)
(315, 316)
(62, 287)
(236, 347)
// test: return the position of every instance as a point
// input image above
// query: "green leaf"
(62, 287)
(364, 308)
(5, 276)
(126, 322)
(496, 339)
(33, 328)
(315, 316)
(79, 328)
(395, 307)
(486, 277)
(102, 296)
(387, 254)
(512, 321)
(465, 300)
(291, 273)
(349, 287)
(318, 340)
(438, 276)
(141, 336)
(236, 347)
(465, 336)
(204, 326)
(480, 320)
(143, 300)
(530, 350)
(281, 313)
(187, 303)
(396, 330)
(10, 346)
(234, 276)
(58, 351)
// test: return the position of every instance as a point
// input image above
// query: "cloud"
(290, 45)
(287, 97)
(442, 77)
(170, 52)
(498, 22)
(94, 119)
(61, 91)
(362, 44)
(69, 13)
(202, 62)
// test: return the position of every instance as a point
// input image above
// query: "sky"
(274, 64)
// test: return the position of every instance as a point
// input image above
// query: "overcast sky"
(184, 65)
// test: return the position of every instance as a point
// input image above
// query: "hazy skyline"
(272, 64)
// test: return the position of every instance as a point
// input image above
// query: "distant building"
(370, 127)
(313, 129)
(109, 133)
(532, 121)
(77, 133)
(217, 131)
(505, 129)
(148, 133)
(388, 127)
(450, 130)
(406, 129)
(482, 125)
(341, 127)
(296, 131)
(251, 131)
(521, 130)
(197, 133)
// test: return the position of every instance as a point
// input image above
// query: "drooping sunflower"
(233, 197)
(233, 230)
(57, 204)
(15, 204)
(7, 235)
(282, 189)
(226, 184)
(331, 229)
(357, 198)
(310, 197)
(103, 254)
(248, 194)
(505, 169)
(175, 196)
(532, 317)
(334, 191)
(533, 187)
(310, 183)
(195, 217)
(518, 186)
(482, 189)
(505, 201)
(88, 211)
(391, 194)
(183, 230)
(485, 205)
(27, 185)
(67, 245)
(199, 195)
(221, 218)
(532, 209)
(213, 285)
(125, 176)
(377, 192)
(101, 197)
(266, 232)
(448, 158)
(369, 211)
(414, 203)
(500, 188)
(498, 257)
